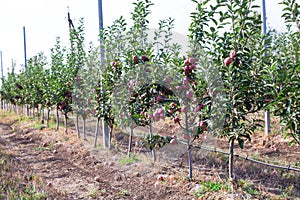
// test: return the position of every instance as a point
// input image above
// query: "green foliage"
(129, 160)
(231, 71)
(156, 141)
(216, 34)
(291, 13)
(284, 73)
(206, 187)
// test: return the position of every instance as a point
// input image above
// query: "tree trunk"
(66, 122)
(267, 122)
(130, 141)
(57, 120)
(111, 128)
(96, 132)
(77, 125)
(33, 113)
(38, 113)
(27, 110)
(4, 105)
(190, 162)
(48, 116)
(151, 134)
(230, 165)
(43, 115)
(84, 128)
(105, 133)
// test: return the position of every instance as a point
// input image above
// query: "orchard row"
(231, 71)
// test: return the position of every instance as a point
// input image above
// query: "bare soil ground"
(61, 166)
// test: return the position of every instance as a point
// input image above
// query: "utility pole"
(2, 75)
(25, 53)
(25, 63)
(105, 131)
(264, 31)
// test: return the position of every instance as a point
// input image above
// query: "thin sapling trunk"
(66, 122)
(96, 132)
(77, 125)
(105, 134)
(57, 120)
(151, 134)
(130, 141)
(43, 115)
(84, 128)
(48, 116)
(189, 147)
(230, 165)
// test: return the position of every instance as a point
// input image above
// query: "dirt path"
(65, 164)
(69, 166)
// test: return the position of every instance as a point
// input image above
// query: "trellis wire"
(249, 159)
(215, 150)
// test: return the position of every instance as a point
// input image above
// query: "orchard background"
(141, 83)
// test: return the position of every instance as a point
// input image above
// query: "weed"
(122, 193)
(128, 160)
(248, 187)
(207, 187)
(288, 191)
(252, 191)
(94, 193)
(212, 186)
(39, 148)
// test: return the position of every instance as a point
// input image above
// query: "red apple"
(186, 70)
(267, 100)
(228, 61)
(192, 61)
(176, 119)
(192, 67)
(97, 179)
(173, 141)
(145, 58)
(232, 54)
(202, 124)
(173, 104)
(49, 184)
(114, 64)
(160, 178)
(199, 107)
(170, 111)
(135, 59)
(187, 62)
(186, 136)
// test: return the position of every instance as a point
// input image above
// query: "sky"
(45, 20)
